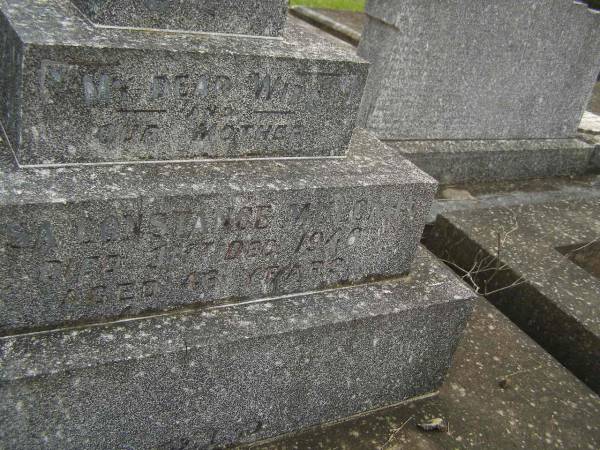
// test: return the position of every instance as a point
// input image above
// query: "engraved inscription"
(209, 112)
(134, 255)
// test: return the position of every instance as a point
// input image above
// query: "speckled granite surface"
(82, 244)
(233, 374)
(75, 93)
(250, 17)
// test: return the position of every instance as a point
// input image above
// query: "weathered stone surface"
(521, 257)
(80, 94)
(345, 25)
(251, 17)
(486, 160)
(540, 404)
(139, 238)
(508, 193)
(451, 69)
(238, 373)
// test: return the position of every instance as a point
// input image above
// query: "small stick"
(395, 432)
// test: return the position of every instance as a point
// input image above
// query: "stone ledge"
(75, 93)
(138, 239)
(233, 374)
(486, 160)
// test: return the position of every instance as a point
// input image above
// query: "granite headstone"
(478, 71)
(152, 300)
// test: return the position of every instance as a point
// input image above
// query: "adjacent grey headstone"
(478, 69)
(250, 17)
(79, 94)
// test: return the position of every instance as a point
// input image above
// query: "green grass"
(359, 5)
(350, 5)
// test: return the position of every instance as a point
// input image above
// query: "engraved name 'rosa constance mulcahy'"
(268, 246)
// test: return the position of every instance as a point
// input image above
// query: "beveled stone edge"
(184, 31)
(576, 7)
(450, 289)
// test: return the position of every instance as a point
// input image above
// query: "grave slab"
(73, 93)
(478, 70)
(136, 239)
(249, 17)
(537, 263)
(235, 374)
(542, 405)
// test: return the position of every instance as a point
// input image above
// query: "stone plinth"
(135, 239)
(249, 17)
(477, 69)
(234, 374)
(74, 93)
(484, 160)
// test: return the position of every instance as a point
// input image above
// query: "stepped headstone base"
(73, 93)
(91, 243)
(233, 374)
(457, 161)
